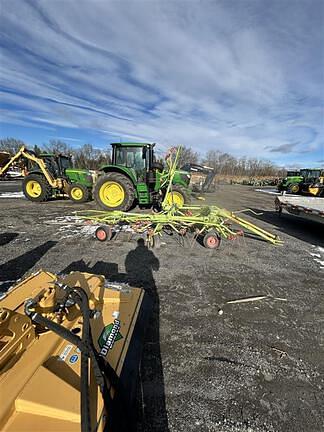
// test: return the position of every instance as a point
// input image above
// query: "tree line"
(225, 164)
(87, 156)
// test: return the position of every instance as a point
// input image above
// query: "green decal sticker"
(109, 335)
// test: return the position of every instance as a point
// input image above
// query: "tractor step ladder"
(142, 193)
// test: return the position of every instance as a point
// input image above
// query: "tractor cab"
(57, 163)
(292, 173)
(133, 156)
(313, 182)
(64, 163)
(310, 175)
(140, 158)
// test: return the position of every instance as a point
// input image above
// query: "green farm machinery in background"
(299, 181)
(288, 183)
(136, 177)
(48, 175)
(77, 183)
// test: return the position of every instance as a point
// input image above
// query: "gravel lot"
(256, 367)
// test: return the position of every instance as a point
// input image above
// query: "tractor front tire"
(78, 193)
(114, 191)
(178, 195)
(36, 188)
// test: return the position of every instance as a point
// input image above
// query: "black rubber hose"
(88, 352)
(81, 299)
(58, 329)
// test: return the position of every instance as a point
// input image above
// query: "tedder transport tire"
(211, 240)
(178, 195)
(36, 188)
(78, 193)
(103, 233)
(114, 191)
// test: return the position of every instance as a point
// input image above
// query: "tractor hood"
(78, 170)
(84, 176)
(182, 177)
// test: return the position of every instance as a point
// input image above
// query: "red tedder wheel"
(103, 233)
(212, 240)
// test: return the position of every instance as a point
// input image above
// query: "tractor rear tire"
(36, 188)
(78, 193)
(293, 188)
(178, 195)
(114, 191)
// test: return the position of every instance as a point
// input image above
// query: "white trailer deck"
(302, 206)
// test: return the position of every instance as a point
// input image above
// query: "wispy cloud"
(64, 138)
(283, 148)
(245, 77)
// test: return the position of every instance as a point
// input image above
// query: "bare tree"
(10, 145)
(223, 163)
(188, 155)
(226, 164)
(89, 157)
(58, 146)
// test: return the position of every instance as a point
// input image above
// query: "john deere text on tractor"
(135, 176)
(51, 174)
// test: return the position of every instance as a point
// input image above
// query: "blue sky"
(240, 76)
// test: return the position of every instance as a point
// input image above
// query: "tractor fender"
(121, 170)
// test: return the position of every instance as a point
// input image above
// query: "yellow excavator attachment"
(67, 344)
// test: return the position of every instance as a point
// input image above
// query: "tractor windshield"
(292, 173)
(130, 157)
(310, 173)
(65, 163)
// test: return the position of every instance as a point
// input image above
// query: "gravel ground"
(257, 366)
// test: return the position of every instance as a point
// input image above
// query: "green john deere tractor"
(135, 177)
(47, 175)
(58, 177)
(289, 183)
(296, 181)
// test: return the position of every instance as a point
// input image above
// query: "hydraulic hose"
(79, 296)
